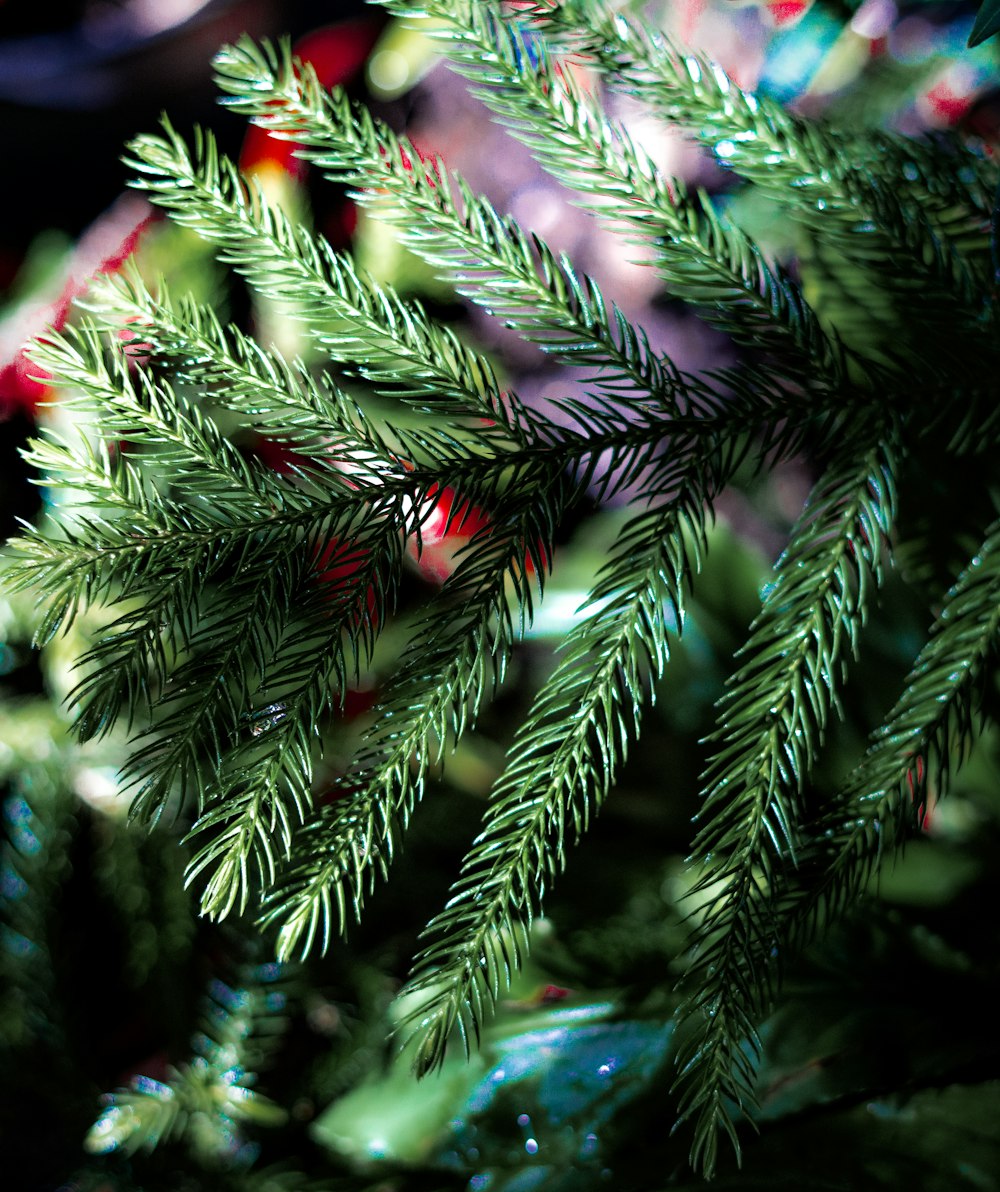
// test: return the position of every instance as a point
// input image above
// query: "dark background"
(79, 78)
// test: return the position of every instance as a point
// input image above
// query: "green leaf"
(987, 23)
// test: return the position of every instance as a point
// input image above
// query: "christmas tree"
(295, 604)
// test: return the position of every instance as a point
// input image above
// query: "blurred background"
(882, 1058)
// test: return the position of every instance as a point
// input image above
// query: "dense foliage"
(242, 603)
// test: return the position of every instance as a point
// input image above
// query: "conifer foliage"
(241, 602)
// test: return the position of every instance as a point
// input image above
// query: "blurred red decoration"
(785, 12)
(104, 248)
(447, 526)
(943, 105)
(337, 53)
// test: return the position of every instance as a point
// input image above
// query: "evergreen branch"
(360, 324)
(251, 809)
(924, 738)
(160, 540)
(132, 652)
(799, 161)
(243, 601)
(104, 482)
(103, 561)
(458, 655)
(64, 571)
(484, 254)
(451, 666)
(220, 675)
(279, 398)
(131, 535)
(202, 700)
(272, 395)
(352, 453)
(207, 1100)
(205, 639)
(197, 715)
(183, 446)
(894, 198)
(129, 663)
(265, 788)
(969, 423)
(37, 817)
(773, 722)
(716, 268)
(488, 257)
(154, 538)
(562, 764)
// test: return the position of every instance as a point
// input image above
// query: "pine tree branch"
(448, 666)
(347, 447)
(108, 560)
(102, 561)
(220, 674)
(205, 689)
(182, 445)
(716, 268)
(707, 397)
(487, 256)
(119, 665)
(358, 323)
(244, 601)
(273, 396)
(194, 711)
(561, 766)
(451, 666)
(798, 160)
(773, 720)
(877, 198)
(924, 739)
(265, 786)
(124, 670)
(280, 398)
(208, 1100)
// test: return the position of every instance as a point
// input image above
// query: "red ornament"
(446, 526)
(277, 456)
(339, 565)
(786, 12)
(945, 106)
(337, 53)
(103, 248)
